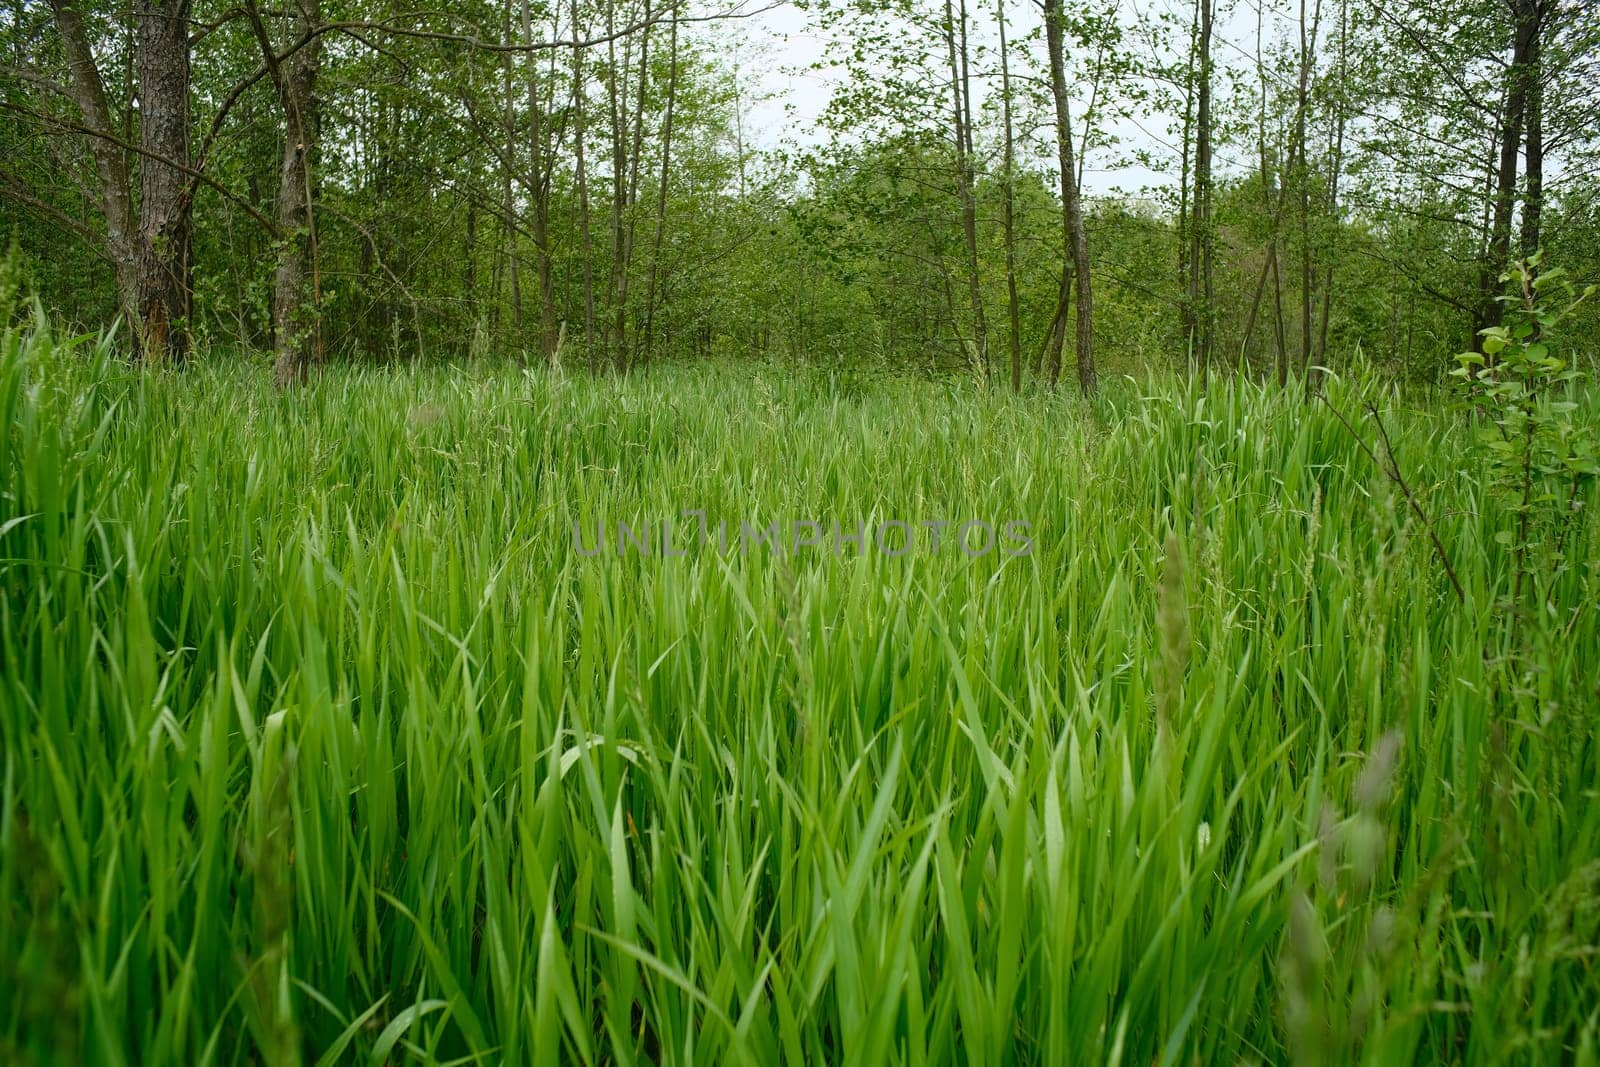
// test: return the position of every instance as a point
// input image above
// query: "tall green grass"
(319, 741)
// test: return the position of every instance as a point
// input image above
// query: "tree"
(149, 249)
(165, 232)
(661, 190)
(1009, 220)
(538, 180)
(955, 34)
(296, 289)
(1075, 238)
(383, 183)
(1201, 299)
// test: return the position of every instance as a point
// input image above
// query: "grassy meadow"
(322, 741)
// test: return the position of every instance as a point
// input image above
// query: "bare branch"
(13, 189)
(51, 121)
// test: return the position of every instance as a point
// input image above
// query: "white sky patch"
(779, 51)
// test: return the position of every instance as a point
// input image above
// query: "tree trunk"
(1013, 312)
(540, 194)
(115, 201)
(661, 191)
(1186, 320)
(961, 129)
(1280, 328)
(469, 266)
(1055, 336)
(1533, 148)
(295, 289)
(508, 204)
(625, 183)
(1303, 182)
(619, 190)
(1077, 244)
(579, 101)
(1498, 251)
(1201, 276)
(165, 230)
(738, 129)
(1273, 208)
(1335, 172)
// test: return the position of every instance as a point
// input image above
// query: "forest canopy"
(355, 180)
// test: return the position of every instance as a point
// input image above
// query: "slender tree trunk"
(540, 195)
(1201, 277)
(1186, 266)
(1009, 207)
(1089, 113)
(386, 317)
(1303, 185)
(1498, 251)
(295, 290)
(508, 205)
(1533, 148)
(630, 237)
(1071, 205)
(580, 99)
(961, 134)
(661, 191)
(738, 128)
(1485, 234)
(615, 74)
(1055, 335)
(969, 156)
(1280, 326)
(1273, 207)
(469, 266)
(1267, 260)
(1335, 173)
(627, 181)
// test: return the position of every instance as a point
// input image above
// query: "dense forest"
(1079, 545)
(535, 180)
